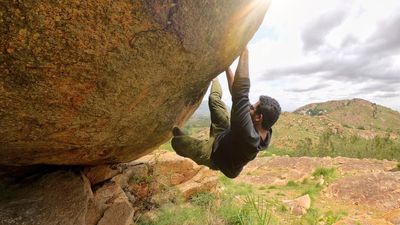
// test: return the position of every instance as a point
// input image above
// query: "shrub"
(315, 112)
(312, 191)
(255, 211)
(311, 217)
(326, 172)
(292, 183)
(333, 145)
(203, 199)
(331, 217)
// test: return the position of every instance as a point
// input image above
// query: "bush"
(315, 112)
(333, 145)
(312, 191)
(326, 172)
(291, 183)
(203, 199)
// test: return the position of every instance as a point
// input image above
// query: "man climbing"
(233, 141)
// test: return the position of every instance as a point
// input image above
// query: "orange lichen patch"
(74, 98)
(139, 99)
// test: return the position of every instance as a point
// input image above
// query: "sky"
(310, 51)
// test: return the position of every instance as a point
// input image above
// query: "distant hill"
(356, 117)
(355, 113)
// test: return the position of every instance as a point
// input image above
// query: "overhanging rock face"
(101, 81)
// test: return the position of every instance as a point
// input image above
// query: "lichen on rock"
(92, 82)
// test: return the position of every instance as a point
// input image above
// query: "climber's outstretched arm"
(242, 69)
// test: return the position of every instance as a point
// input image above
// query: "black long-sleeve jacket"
(239, 144)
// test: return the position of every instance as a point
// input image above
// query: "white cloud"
(309, 51)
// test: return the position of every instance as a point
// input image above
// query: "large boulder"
(60, 197)
(102, 81)
(115, 194)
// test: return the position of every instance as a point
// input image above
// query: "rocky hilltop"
(355, 112)
(91, 82)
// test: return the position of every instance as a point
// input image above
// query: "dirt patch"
(280, 170)
(362, 191)
(380, 190)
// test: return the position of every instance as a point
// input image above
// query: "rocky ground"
(361, 191)
(102, 195)
(298, 190)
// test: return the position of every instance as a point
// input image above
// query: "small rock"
(300, 205)
(98, 174)
(205, 180)
(120, 213)
(114, 205)
(321, 181)
(109, 194)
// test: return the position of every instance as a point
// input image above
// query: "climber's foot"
(176, 131)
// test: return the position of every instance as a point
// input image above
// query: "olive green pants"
(200, 150)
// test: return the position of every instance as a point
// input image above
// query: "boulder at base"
(60, 197)
(115, 194)
(102, 81)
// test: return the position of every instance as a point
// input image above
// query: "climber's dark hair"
(270, 110)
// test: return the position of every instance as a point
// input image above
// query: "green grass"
(283, 208)
(312, 190)
(235, 189)
(316, 216)
(243, 204)
(328, 173)
(141, 179)
(311, 217)
(334, 145)
(272, 150)
(257, 211)
(292, 183)
(203, 199)
(331, 217)
(167, 146)
(176, 214)
(310, 187)
(238, 204)
(330, 144)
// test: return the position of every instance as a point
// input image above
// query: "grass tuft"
(292, 183)
(327, 173)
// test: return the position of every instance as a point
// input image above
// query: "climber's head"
(266, 111)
